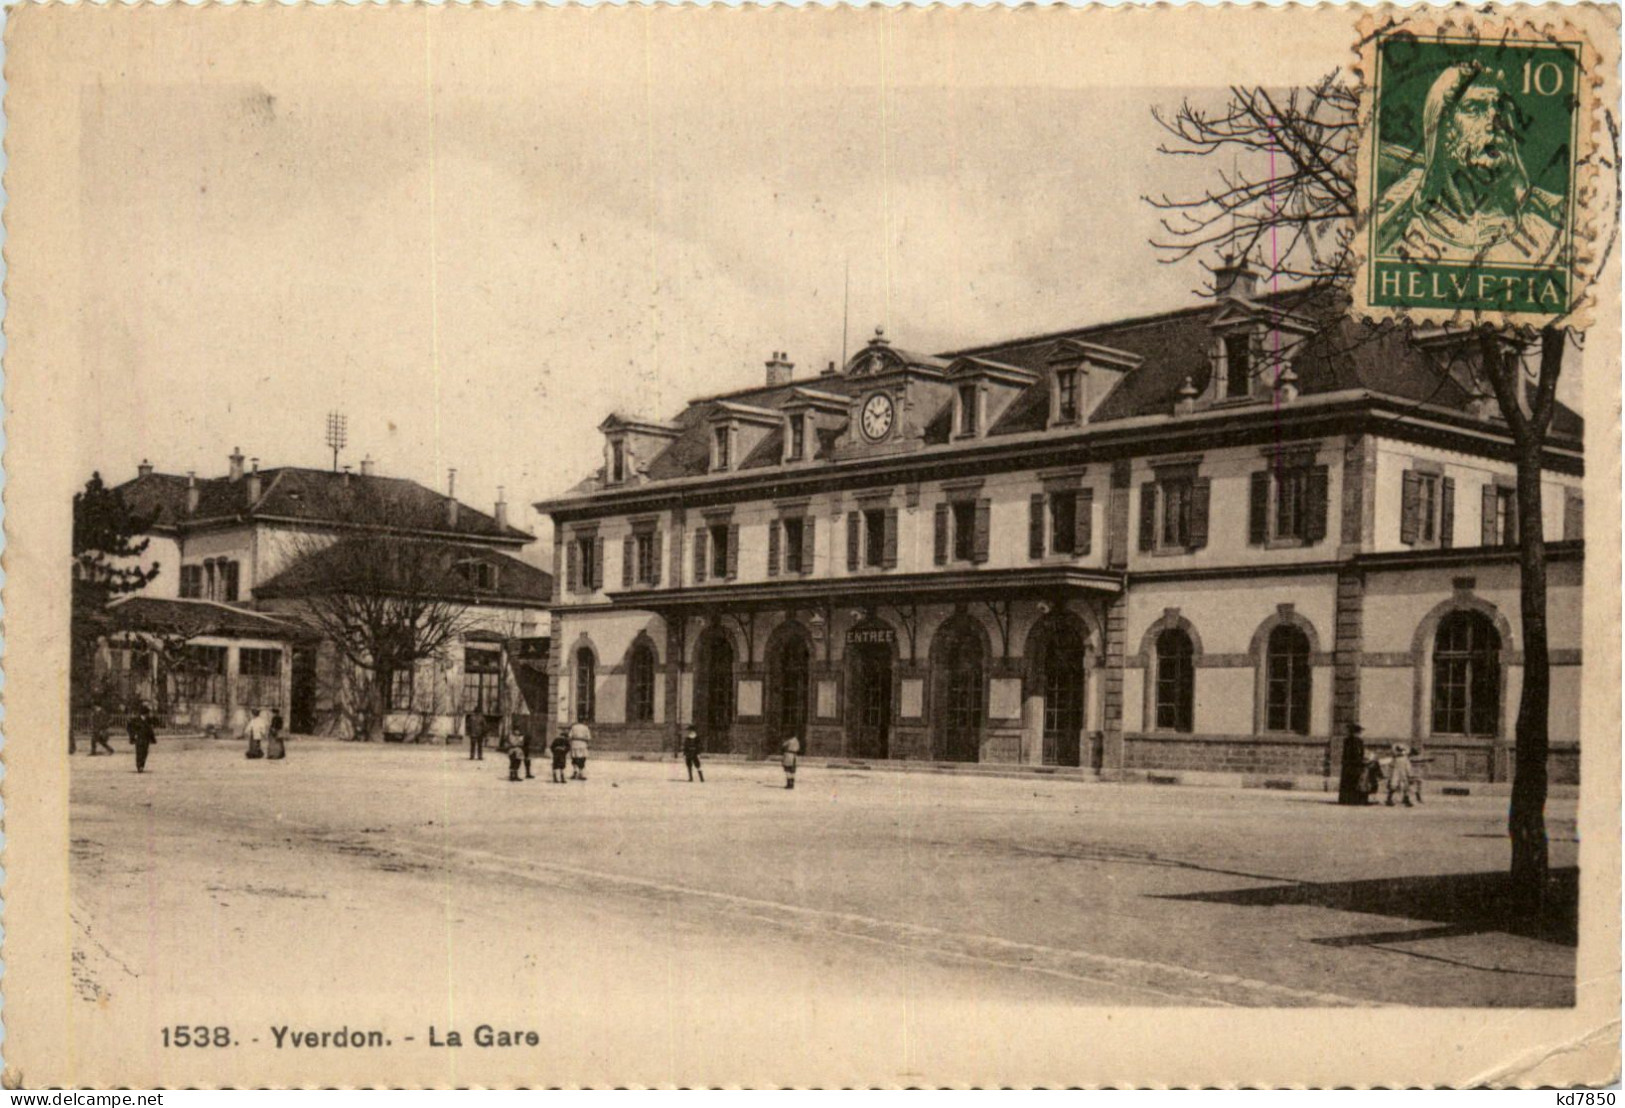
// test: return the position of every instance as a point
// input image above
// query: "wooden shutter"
(1258, 509)
(1314, 526)
(772, 548)
(733, 551)
(809, 544)
(940, 547)
(572, 572)
(1491, 501)
(1201, 490)
(984, 531)
(888, 552)
(1148, 516)
(1574, 514)
(659, 539)
(699, 557)
(1447, 512)
(1083, 524)
(854, 524)
(1035, 526)
(629, 553)
(1410, 508)
(598, 563)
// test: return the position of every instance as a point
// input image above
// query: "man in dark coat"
(1349, 785)
(691, 753)
(142, 735)
(476, 737)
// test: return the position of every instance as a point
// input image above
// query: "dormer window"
(724, 442)
(967, 409)
(1238, 365)
(480, 575)
(798, 437)
(1066, 398)
(617, 467)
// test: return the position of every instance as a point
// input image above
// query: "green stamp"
(1470, 172)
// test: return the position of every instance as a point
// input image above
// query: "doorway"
(1063, 686)
(870, 711)
(714, 692)
(789, 687)
(960, 679)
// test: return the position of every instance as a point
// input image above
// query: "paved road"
(639, 916)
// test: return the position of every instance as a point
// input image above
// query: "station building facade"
(1205, 540)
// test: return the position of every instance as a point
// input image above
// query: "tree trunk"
(1526, 821)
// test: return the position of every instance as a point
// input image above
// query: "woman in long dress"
(275, 747)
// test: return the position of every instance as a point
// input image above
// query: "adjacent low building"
(1206, 540)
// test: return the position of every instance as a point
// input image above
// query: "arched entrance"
(1059, 676)
(789, 684)
(714, 691)
(869, 648)
(959, 677)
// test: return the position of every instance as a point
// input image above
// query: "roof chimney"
(366, 466)
(144, 469)
(192, 492)
(1234, 279)
(829, 371)
(451, 497)
(779, 369)
(502, 507)
(254, 483)
(236, 459)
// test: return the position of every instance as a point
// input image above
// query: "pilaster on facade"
(1111, 755)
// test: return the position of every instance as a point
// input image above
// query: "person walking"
(560, 750)
(580, 739)
(98, 729)
(476, 737)
(1417, 759)
(691, 753)
(1399, 776)
(515, 760)
(275, 747)
(142, 735)
(521, 739)
(791, 747)
(257, 731)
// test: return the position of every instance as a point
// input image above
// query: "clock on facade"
(877, 417)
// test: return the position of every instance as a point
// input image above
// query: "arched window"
(640, 685)
(1286, 681)
(586, 686)
(1176, 681)
(1466, 676)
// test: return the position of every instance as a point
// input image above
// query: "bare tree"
(1285, 196)
(385, 602)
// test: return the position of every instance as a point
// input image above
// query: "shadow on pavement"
(1463, 903)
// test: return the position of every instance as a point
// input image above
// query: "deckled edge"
(1596, 208)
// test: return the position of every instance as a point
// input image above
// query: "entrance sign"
(871, 636)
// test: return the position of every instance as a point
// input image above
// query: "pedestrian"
(1417, 759)
(1350, 783)
(791, 747)
(522, 740)
(691, 753)
(141, 734)
(98, 729)
(1399, 775)
(476, 737)
(256, 731)
(561, 751)
(275, 748)
(580, 738)
(515, 760)
(1371, 777)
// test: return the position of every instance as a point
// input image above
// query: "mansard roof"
(1152, 355)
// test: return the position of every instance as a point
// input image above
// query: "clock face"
(877, 416)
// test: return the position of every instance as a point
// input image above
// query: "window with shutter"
(597, 563)
(874, 537)
(888, 559)
(658, 540)
(940, 543)
(854, 539)
(792, 545)
(1258, 509)
(721, 550)
(1201, 495)
(773, 548)
(572, 572)
(1409, 508)
(1084, 522)
(809, 544)
(1063, 516)
(1148, 515)
(628, 560)
(699, 556)
(964, 530)
(1447, 512)
(984, 531)
(733, 551)
(1035, 526)
(1316, 506)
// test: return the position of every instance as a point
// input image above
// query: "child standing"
(691, 753)
(580, 736)
(791, 747)
(561, 751)
(1399, 776)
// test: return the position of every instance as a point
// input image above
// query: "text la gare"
(484, 1035)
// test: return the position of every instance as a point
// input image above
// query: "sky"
(477, 240)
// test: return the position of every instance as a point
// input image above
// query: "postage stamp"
(1473, 172)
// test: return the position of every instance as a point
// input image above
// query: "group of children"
(572, 744)
(1401, 771)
